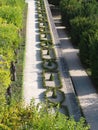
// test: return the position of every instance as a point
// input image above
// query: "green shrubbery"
(11, 24)
(81, 18)
(17, 117)
(54, 2)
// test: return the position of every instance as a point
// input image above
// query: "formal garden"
(13, 114)
(51, 76)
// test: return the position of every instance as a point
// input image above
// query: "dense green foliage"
(82, 18)
(12, 15)
(11, 24)
(18, 118)
(94, 56)
(54, 2)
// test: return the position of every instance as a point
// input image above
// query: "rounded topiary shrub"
(51, 77)
(50, 65)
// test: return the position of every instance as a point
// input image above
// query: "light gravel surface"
(32, 82)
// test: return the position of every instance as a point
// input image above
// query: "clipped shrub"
(51, 77)
(47, 65)
(48, 52)
(54, 95)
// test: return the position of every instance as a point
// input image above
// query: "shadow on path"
(87, 96)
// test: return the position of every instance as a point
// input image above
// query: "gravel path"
(32, 82)
(85, 90)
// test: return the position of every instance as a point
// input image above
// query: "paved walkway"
(86, 93)
(70, 100)
(32, 82)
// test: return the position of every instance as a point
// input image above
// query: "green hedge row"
(81, 18)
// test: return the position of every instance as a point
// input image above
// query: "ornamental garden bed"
(48, 53)
(50, 65)
(52, 80)
(50, 74)
(54, 95)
